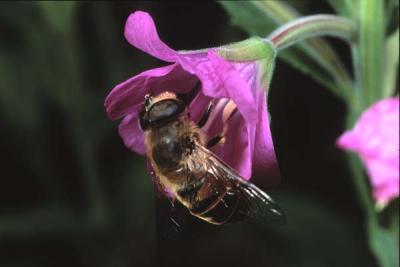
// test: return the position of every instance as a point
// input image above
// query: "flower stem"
(310, 26)
(371, 48)
(360, 181)
(319, 25)
(369, 70)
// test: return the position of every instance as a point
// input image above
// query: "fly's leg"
(204, 118)
(228, 112)
(215, 141)
(188, 97)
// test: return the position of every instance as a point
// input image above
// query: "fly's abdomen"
(211, 201)
(219, 210)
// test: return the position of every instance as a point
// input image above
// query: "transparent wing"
(254, 202)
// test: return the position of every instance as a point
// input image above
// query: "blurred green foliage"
(71, 193)
(66, 175)
(373, 79)
(314, 57)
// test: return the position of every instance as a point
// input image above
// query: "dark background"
(71, 194)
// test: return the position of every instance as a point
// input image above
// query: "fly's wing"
(254, 202)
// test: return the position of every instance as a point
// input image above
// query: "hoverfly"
(179, 154)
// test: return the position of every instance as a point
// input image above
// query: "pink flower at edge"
(375, 137)
(248, 146)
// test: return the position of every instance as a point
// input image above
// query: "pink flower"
(248, 144)
(375, 137)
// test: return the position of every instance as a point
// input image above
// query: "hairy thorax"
(171, 147)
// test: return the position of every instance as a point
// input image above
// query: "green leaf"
(385, 246)
(325, 228)
(382, 242)
(249, 17)
(59, 14)
(14, 90)
(392, 16)
(347, 8)
(391, 64)
(314, 57)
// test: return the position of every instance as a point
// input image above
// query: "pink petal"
(128, 97)
(349, 141)
(249, 136)
(385, 193)
(228, 82)
(141, 32)
(131, 133)
(375, 137)
(214, 125)
(264, 158)
(236, 151)
(238, 81)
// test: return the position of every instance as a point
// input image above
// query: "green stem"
(360, 181)
(368, 55)
(319, 25)
(371, 48)
(391, 65)
(367, 46)
(310, 26)
(318, 48)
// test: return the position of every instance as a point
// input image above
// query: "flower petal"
(235, 86)
(248, 137)
(231, 84)
(237, 81)
(264, 158)
(236, 151)
(127, 97)
(375, 137)
(131, 133)
(214, 125)
(141, 32)
(220, 79)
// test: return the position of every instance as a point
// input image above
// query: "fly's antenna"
(147, 101)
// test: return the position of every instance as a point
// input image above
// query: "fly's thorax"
(166, 146)
(171, 150)
(169, 145)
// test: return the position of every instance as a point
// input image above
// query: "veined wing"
(254, 202)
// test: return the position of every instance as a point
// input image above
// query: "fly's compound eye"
(165, 111)
(143, 121)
